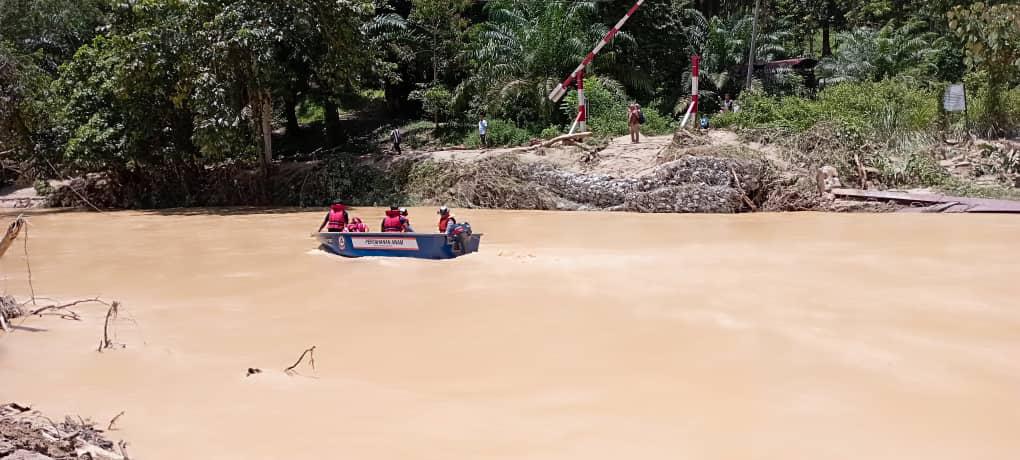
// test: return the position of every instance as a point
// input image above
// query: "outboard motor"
(460, 234)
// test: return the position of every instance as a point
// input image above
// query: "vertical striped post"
(582, 105)
(695, 61)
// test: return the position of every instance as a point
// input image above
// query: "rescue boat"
(390, 244)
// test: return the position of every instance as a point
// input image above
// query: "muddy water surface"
(570, 336)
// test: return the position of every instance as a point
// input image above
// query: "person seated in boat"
(357, 226)
(407, 220)
(336, 218)
(394, 222)
(446, 220)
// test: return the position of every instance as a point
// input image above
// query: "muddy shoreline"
(715, 172)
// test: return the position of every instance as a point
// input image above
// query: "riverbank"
(717, 171)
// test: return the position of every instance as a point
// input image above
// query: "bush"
(550, 132)
(984, 119)
(435, 101)
(884, 110)
(499, 133)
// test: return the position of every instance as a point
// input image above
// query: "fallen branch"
(311, 352)
(67, 314)
(743, 194)
(54, 168)
(28, 266)
(123, 449)
(110, 314)
(114, 420)
(575, 136)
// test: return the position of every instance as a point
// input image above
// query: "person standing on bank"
(395, 135)
(634, 123)
(483, 128)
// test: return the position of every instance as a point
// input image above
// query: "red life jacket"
(337, 219)
(357, 225)
(393, 222)
(444, 221)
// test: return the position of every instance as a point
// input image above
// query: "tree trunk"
(332, 117)
(290, 110)
(826, 44)
(826, 28)
(265, 111)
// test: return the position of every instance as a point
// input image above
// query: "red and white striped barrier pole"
(695, 61)
(577, 76)
(582, 111)
(692, 109)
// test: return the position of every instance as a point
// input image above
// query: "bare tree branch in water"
(123, 449)
(28, 265)
(114, 420)
(63, 311)
(110, 314)
(311, 360)
(12, 232)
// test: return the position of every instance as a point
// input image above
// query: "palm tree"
(867, 54)
(524, 50)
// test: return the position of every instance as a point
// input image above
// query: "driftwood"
(572, 137)
(62, 310)
(311, 360)
(114, 420)
(12, 233)
(30, 434)
(82, 197)
(111, 313)
(743, 194)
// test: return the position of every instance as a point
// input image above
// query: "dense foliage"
(167, 88)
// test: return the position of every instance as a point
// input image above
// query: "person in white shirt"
(483, 127)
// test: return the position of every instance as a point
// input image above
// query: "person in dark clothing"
(395, 135)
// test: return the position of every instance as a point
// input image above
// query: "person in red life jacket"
(394, 222)
(336, 219)
(357, 225)
(445, 220)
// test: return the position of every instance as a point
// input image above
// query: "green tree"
(443, 27)
(36, 36)
(991, 35)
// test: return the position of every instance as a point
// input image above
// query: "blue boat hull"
(417, 245)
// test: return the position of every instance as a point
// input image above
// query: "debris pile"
(689, 184)
(984, 162)
(26, 434)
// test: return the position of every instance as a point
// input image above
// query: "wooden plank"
(973, 204)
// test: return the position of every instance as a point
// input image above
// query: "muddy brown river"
(569, 336)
